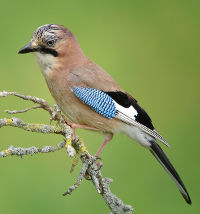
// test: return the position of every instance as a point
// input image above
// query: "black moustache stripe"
(48, 51)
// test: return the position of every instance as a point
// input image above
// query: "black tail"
(164, 161)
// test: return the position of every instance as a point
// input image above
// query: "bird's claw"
(99, 164)
(98, 158)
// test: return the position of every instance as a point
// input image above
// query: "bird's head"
(52, 44)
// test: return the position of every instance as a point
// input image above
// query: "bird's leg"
(108, 138)
(75, 126)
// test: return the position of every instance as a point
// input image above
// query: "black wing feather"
(126, 101)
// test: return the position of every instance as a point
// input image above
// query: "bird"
(90, 98)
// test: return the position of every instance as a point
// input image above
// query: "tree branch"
(22, 111)
(76, 149)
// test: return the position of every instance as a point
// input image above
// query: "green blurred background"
(151, 48)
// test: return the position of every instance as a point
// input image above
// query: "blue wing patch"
(96, 100)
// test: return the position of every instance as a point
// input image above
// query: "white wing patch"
(130, 112)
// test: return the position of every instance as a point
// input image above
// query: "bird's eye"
(50, 43)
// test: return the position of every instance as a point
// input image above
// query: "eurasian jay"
(90, 98)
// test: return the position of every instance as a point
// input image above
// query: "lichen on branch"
(75, 148)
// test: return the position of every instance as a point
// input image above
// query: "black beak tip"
(21, 51)
(26, 49)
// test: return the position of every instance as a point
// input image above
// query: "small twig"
(22, 111)
(55, 115)
(19, 151)
(78, 180)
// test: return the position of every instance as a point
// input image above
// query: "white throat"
(45, 62)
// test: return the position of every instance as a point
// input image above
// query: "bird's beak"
(28, 48)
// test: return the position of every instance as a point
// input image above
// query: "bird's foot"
(75, 126)
(71, 125)
(99, 164)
